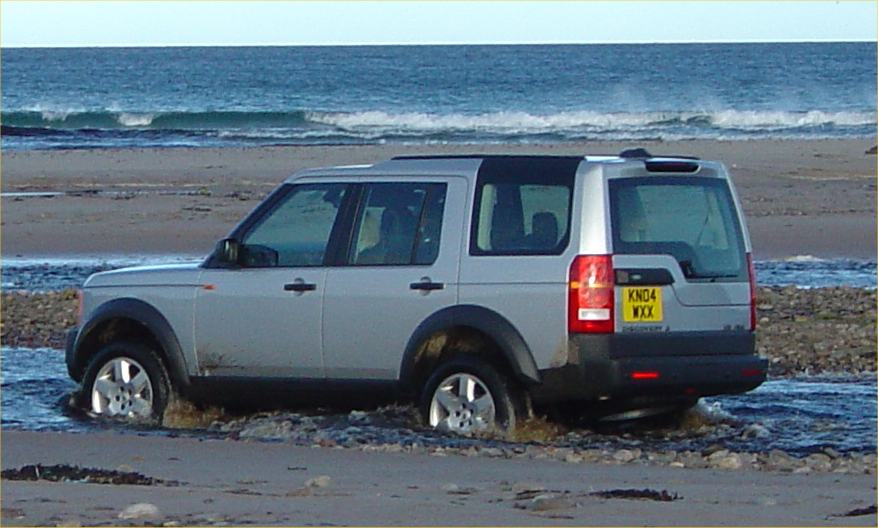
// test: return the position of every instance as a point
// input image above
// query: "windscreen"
(692, 219)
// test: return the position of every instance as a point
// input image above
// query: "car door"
(401, 267)
(264, 317)
(680, 256)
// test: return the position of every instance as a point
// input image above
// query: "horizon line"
(414, 44)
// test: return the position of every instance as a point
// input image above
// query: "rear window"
(691, 219)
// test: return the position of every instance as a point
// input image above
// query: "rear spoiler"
(661, 163)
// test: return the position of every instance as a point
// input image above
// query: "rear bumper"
(626, 367)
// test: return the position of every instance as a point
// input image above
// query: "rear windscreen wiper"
(713, 276)
(690, 273)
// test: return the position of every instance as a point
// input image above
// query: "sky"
(231, 23)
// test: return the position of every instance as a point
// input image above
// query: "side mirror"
(228, 251)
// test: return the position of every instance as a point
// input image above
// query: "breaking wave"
(77, 128)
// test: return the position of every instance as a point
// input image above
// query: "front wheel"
(468, 396)
(126, 380)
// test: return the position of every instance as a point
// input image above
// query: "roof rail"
(482, 156)
(642, 153)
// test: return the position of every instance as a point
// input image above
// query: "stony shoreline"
(717, 457)
(397, 429)
(801, 331)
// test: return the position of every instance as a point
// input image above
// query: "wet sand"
(801, 197)
(263, 483)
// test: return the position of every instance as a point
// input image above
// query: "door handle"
(300, 286)
(644, 276)
(427, 285)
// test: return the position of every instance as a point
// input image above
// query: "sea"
(247, 96)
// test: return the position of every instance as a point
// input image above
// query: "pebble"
(728, 461)
(318, 482)
(624, 455)
(548, 502)
(140, 510)
(454, 489)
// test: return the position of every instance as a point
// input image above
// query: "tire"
(126, 380)
(472, 379)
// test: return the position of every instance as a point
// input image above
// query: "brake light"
(590, 295)
(645, 375)
(752, 273)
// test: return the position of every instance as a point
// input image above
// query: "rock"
(716, 455)
(268, 430)
(715, 448)
(873, 150)
(527, 487)
(573, 458)
(819, 462)
(318, 482)
(140, 510)
(624, 456)
(454, 489)
(549, 502)
(731, 461)
(755, 431)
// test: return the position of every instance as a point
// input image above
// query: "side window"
(296, 232)
(521, 218)
(427, 248)
(398, 224)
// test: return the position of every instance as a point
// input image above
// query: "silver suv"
(475, 285)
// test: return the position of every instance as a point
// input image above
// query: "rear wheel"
(126, 380)
(469, 396)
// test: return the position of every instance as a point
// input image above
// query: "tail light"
(752, 272)
(590, 295)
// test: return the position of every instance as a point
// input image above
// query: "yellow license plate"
(641, 305)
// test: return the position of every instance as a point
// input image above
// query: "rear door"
(401, 266)
(679, 255)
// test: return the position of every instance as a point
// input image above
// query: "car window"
(522, 219)
(692, 219)
(297, 230)
(398, 224)
(427, 248)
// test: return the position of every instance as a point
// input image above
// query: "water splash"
(799, 416)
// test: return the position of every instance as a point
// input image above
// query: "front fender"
(142, 313)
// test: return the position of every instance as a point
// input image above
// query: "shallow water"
(57, 273)
(796, 415)
(34, 274)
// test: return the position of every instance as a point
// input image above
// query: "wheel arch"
(467, 321)
(134, 318)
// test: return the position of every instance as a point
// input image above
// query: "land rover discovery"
(476, 286)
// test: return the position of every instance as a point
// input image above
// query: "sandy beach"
(814, 197)
(281, 484)
(801, 198)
